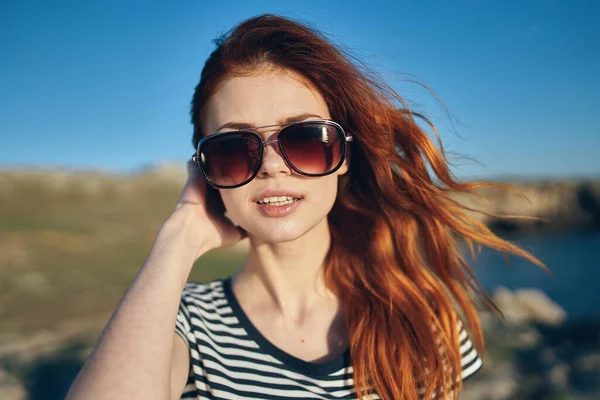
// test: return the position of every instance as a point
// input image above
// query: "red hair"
(395, 259)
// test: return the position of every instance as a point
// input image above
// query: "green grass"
(67, 255)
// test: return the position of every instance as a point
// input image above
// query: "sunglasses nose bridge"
(269, 141)
(272, 142)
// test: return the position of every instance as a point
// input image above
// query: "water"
(573, 257)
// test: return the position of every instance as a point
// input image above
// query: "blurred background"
(95, 133)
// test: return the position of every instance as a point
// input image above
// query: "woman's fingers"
(208, 206)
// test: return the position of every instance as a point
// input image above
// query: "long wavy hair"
(395, 260)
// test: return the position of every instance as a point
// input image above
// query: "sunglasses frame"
(263, 143)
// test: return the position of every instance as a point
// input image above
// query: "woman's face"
(267, 98)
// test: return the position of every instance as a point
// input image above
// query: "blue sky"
(107, 84)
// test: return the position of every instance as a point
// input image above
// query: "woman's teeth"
(278, 200)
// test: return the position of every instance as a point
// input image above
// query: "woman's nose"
(273, 162)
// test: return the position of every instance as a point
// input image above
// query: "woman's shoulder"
(203, 293)
(204, 304)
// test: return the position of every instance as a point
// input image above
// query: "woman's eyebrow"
(290, 119)
(298, 117)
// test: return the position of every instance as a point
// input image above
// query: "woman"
(354, 280)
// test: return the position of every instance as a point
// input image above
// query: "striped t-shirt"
(230, 359)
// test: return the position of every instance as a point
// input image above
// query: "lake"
(573, 257)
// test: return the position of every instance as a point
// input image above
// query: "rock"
(559, 377)
(585, 374)
(589, 362)
(585, 380)
(548, 356)
(540, 308)
(525, 306)
(499, 384)
(527, 338)
(514, 314)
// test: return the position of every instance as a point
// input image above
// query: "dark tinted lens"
(230, 159)
(313, 148)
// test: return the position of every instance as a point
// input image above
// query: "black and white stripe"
(230, 359)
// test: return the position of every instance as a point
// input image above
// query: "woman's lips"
(269, 210)
(276, 193)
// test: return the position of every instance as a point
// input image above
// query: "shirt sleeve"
(182, 323)
(469, 358)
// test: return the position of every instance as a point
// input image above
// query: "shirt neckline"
(305, 367)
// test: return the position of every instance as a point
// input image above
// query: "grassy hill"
(70, 244)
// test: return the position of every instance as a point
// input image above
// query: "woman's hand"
(199, 216)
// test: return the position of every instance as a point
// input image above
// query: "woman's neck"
(287, 276)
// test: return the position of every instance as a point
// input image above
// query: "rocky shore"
(559, 204)
(537, 352)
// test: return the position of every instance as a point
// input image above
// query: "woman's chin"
(278, 234)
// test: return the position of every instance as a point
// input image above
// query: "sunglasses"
(232, 159)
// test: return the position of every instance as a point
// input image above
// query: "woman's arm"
(139, 355)
(180, 366)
